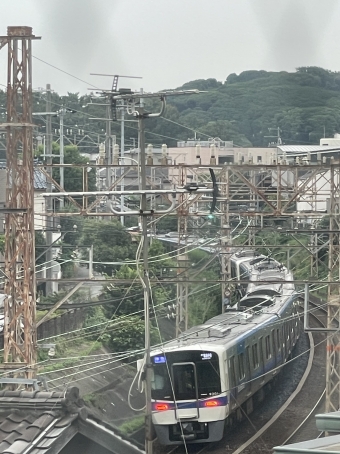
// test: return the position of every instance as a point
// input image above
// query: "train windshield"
(185, 375)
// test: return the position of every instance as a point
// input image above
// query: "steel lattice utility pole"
(20, 285)
(182, 258)
(333, 319)
(225, 239)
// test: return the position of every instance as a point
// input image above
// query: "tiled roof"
(39, 179)
(306, 148)
(38, 419)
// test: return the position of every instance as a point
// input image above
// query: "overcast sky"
(170, 42)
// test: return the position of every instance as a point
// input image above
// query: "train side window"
(261, 350)
(243, 272)
(241, 372)
(278, 343)
(244, 275)
(268, 351)
(233, 270)
(248, 363)
(255, 356)
(232, 372)
(273, 342)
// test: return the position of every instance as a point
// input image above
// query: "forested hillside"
(254, 103)
(247, 108)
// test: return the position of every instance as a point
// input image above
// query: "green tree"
(2, 244)
(111, 243)
(74, 177)
(129, 335)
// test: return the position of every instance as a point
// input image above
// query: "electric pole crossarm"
(200, 190)
(146, 212)
(160, 94)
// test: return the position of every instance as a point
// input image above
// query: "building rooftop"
(39, 179)
(328, 422)
(43, 422)
(38, 419)
(302, 149)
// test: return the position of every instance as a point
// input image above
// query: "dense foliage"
(246, 108)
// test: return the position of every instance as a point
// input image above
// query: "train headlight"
(161, 407)
(211, 403)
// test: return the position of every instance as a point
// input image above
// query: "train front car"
(189, 402)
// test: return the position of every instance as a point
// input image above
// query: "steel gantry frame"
(333, 317)
(273, 192)
(20, 284)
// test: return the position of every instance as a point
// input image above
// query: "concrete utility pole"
(49, 201)
(108, 146)
(61, 113)
(144, 212)
(140, 114)
(122, 150)
(20, 283)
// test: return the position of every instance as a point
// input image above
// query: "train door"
(184, 379)
(242, 382)
(232, 383)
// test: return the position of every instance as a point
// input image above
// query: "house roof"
(39, 179)
(38, 420)
(328, 422)
(300, 149)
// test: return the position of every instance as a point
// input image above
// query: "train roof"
(225, 328)
(269, 299)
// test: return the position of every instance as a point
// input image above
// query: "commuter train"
(215, 373)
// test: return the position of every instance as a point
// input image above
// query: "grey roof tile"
(66, 421)
(43, 421)
(25, 415)
(45, 443)
(11, 394)
(39, 179)
(12, 437)
(29, 434)
(4, 445)
(19, 417)
(17, 447)
(37, 451)
(54, 433)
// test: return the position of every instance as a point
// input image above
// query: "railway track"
(286, 416)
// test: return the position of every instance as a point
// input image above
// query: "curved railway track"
(286, 415)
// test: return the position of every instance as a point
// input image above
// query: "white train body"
(216, 372)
